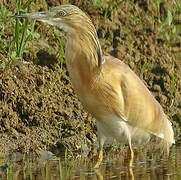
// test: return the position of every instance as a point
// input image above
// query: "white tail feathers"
(168, 135)
(165, 134)
(167, 131)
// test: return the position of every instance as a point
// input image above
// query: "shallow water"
(146, 166)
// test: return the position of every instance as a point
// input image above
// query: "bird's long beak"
(43, 16)
(35, 15)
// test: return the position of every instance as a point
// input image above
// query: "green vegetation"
(5, 26)
(173, 83)
(13, 48)
(15, 43)
(146, 67)
(16, 34)
(60, 53)
(106, 7)
(168, 16)
(23, 30)
(169, 20)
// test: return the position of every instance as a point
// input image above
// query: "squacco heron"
(108, 89)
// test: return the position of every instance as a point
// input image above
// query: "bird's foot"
(97, 165)
(99, 159)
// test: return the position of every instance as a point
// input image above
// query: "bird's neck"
(86, 45)
(83, 56)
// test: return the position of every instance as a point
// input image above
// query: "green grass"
(60, 52)
(106, 7)
(24, 30)
(169, 22)
(14, 33)
(169, 27)
(147, 66)
(5, 26)
(173, 83)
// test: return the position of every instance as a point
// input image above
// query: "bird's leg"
(131, 154)
(167, 148)
(99, 158)
(130, 173)
(130, 150)
(101, 139)
(98, 174)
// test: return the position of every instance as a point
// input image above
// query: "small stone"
(157, 88)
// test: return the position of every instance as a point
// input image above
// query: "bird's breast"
(101, 99)
(98, 95)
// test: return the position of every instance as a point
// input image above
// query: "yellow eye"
(60, 13)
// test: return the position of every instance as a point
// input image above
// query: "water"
(146, 167)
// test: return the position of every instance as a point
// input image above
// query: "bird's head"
(66, 17)
(74, 22)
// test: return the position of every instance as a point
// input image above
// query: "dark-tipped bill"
(34, 15)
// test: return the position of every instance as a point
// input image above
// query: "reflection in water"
(145, 167)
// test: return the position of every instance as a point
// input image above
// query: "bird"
(108, 89)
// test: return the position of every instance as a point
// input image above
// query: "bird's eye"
(60, 14)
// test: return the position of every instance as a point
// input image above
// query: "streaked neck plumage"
(84, 45)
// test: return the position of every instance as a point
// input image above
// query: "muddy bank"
(38, 107)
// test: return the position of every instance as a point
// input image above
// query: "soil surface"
(38, 107)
